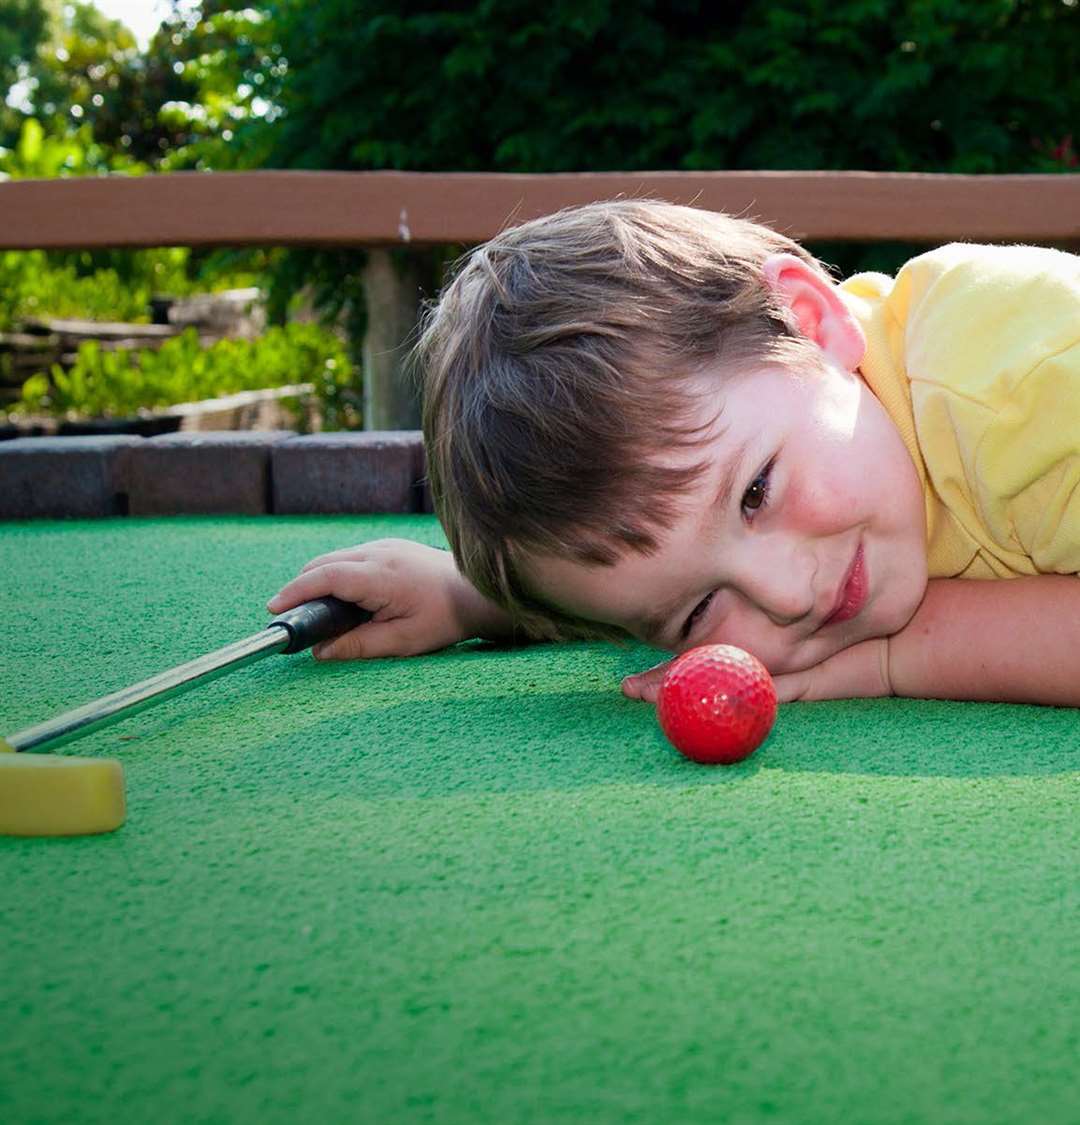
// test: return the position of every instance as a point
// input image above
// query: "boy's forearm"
(1008, 640)
(479, 616)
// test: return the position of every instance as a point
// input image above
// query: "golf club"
(293, 631)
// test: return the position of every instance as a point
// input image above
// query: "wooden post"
(392, 296)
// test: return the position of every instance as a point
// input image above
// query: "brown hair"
(554, 368)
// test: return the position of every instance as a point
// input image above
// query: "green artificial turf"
(479, 886)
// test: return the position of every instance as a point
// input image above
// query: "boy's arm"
(1010, 640)
(479, 616)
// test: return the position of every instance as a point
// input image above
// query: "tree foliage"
(176, 105)
(972, 86)
(171, 106)
(575, 85)
(22, 28)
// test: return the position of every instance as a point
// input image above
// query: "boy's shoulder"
(981, 264)
(963, 284)
(971, 265)
(972, 320)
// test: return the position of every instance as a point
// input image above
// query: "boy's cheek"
(777, 653)
(780, 648)
(807, 654)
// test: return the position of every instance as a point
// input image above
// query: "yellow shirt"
(974, 351)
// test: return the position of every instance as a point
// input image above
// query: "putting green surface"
(479, 886)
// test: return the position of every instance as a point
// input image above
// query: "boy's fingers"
(366, 642)
(645, 685)
(791, 687)
(341, 554)
(352, 582)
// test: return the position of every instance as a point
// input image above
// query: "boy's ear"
(818, 308)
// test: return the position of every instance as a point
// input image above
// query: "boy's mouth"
(852, 596)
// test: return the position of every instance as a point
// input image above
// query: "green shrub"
(111, 285)
(118, 383)
(31, 286)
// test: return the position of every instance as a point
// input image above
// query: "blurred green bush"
(120, 383)
(87, 286)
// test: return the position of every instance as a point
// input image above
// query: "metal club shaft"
(292, 631)
(137, 697)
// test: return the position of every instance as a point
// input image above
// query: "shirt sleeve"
(992, 351)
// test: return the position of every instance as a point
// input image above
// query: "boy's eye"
(757, 495)
(754, 499)
(695, 613)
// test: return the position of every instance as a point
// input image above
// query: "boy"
(660, 422)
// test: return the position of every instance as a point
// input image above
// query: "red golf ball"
(717, 704)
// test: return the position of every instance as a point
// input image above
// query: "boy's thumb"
(645, 685)
(370, 641)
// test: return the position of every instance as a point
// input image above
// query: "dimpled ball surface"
(717, 704)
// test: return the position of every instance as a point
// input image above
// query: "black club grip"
(319, 620)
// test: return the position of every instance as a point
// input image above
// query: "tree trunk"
(392, 293)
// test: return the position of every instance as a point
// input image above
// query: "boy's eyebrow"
(732, 472)
(656, 623)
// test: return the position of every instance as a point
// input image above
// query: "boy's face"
(806, 535)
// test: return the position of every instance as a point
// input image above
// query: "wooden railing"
(379, 210)
(425, 208)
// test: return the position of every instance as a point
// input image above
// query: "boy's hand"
(861, 670)
(418, 600)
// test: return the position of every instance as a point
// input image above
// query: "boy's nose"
(781, 585)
